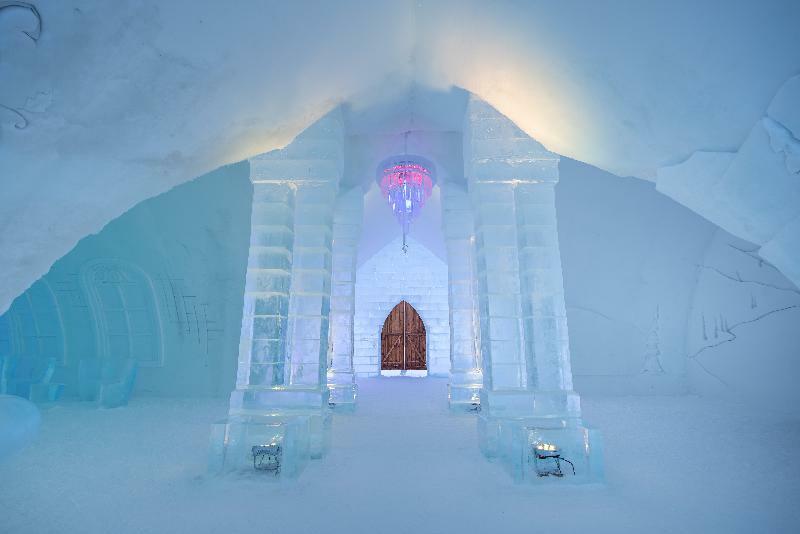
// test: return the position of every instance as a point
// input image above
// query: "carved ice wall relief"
(21, 122)
(123, 305)
(758, 295)
(108, 273)
(33, 326)
(34, 34)
(195, 319)
(652, 356)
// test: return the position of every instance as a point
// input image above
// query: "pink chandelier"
(406, 185)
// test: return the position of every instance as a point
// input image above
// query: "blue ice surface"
(19, 424)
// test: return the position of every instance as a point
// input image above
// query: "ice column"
(281, 395)
(466, 376)
(544, 316)
(527, 397)
(347, 219)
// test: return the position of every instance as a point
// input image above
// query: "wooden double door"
(403, 340)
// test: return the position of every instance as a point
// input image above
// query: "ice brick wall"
(418, 277)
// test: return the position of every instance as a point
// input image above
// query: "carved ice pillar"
(544, 315)
(458, 224)
(527, 398)
(347, 218)
(281, 395)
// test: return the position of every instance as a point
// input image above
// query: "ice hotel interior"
(395, 266)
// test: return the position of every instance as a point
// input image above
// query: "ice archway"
(505, 288)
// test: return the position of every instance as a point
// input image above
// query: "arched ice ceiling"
(127, 99)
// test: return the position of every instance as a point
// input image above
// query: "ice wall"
(179, 260)
(662, 301)
(753, 192)
(418, 277)
(630, 255)
(742, 338)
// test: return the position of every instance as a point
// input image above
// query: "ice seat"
(31, 378)
(109, 383)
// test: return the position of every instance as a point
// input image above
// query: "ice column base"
(464, 391)
(464, 397)
(343, 396)
(237, 442)
(543, 450)
(300, 438)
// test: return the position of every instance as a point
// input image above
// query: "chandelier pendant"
(406, 185)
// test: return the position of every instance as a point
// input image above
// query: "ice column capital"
(315, 155)
(497, 150)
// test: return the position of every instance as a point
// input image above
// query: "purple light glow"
(406, 185)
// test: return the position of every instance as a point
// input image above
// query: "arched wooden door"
(403, 340)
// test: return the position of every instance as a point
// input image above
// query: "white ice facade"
(420, 278)
(311, 321)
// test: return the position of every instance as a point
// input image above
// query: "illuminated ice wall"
(390, 276)
(684, 270)
(160, 286)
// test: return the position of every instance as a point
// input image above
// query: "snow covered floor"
(401, 463)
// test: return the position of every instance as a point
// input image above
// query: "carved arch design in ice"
(125, 311)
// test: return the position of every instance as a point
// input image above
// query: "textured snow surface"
(401, 463)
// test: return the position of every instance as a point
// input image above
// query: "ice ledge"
(541, 404)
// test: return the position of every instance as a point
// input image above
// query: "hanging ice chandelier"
(406, 183)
